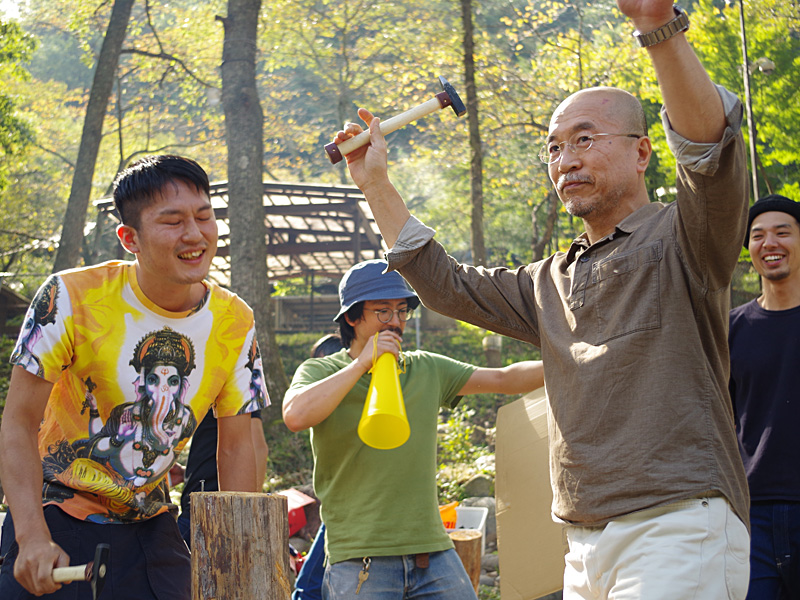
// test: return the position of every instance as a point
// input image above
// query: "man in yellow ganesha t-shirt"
(131, 383)
(114, 367)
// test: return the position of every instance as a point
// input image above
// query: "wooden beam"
(296, 248)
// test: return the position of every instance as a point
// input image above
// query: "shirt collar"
(628, 225)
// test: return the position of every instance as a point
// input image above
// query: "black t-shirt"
(202, 462)
(765, 389)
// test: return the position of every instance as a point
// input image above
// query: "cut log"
(468, 543)
(240, 546)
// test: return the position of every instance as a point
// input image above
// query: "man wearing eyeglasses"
(384, 536)
(632, 322)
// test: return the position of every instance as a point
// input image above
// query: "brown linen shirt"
(633, 332)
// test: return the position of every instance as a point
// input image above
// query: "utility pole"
(751, 125)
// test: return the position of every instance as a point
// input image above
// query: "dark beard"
(777, 276)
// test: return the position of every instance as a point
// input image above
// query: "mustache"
(573, 178)
(394, 330)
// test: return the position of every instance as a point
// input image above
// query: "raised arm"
(517, 378)
(692, 101)
(21, 472)
(368, 168)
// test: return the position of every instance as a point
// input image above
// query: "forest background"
(478, 181)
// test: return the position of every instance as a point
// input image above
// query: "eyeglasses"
(579, 143)
(385, 315)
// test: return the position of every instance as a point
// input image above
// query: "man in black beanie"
(765, 354)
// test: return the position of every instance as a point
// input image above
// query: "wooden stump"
(468, 543)
(240, 546)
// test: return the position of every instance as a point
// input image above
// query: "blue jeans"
(775, 551)
(308, 585)
(398, 578)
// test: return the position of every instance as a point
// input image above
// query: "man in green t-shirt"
(384, 537)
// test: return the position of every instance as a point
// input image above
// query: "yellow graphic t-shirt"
(131, 382)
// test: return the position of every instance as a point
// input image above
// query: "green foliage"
(456, 445)
(301, 286)
(459, 454)
(26, 223)
(773, 32)
(16, 133)
(16, 47)
(488, 593)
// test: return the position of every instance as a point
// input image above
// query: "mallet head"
(99, 569)
(454, 100)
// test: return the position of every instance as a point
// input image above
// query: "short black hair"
(143, 181)
(346, 331)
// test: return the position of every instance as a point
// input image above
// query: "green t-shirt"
(382, 502)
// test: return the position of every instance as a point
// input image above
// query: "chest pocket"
(625, 291)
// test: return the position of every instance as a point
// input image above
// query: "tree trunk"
(476, 152)
(244, 124)
(240, 546)
(539, 242)
(69, 248)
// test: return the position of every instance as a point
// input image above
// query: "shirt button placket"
(578, 294)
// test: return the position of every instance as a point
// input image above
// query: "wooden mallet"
(447, 97)
(94, 572)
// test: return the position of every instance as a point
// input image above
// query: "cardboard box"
(531, 545)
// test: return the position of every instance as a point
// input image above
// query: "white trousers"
(695, 549)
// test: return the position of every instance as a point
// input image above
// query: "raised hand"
(647, 14)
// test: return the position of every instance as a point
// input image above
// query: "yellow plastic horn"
(384, 424)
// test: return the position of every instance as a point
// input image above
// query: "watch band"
(663, 33)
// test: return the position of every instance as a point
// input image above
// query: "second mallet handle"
(69, 574)
(389, 125)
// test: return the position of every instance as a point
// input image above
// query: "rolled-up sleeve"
(414, 235)
(704, 158)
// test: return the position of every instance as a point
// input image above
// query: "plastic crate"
(472, 517)
(297, 501)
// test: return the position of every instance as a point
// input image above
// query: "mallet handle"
(68, 574)
(337, 151)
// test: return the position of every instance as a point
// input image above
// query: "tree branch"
(69, 163)
(170, 58)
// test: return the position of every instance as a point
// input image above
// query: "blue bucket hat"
(369, 280)
(771, 203)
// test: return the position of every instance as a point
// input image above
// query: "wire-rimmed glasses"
(385, 314)
(579, 143)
